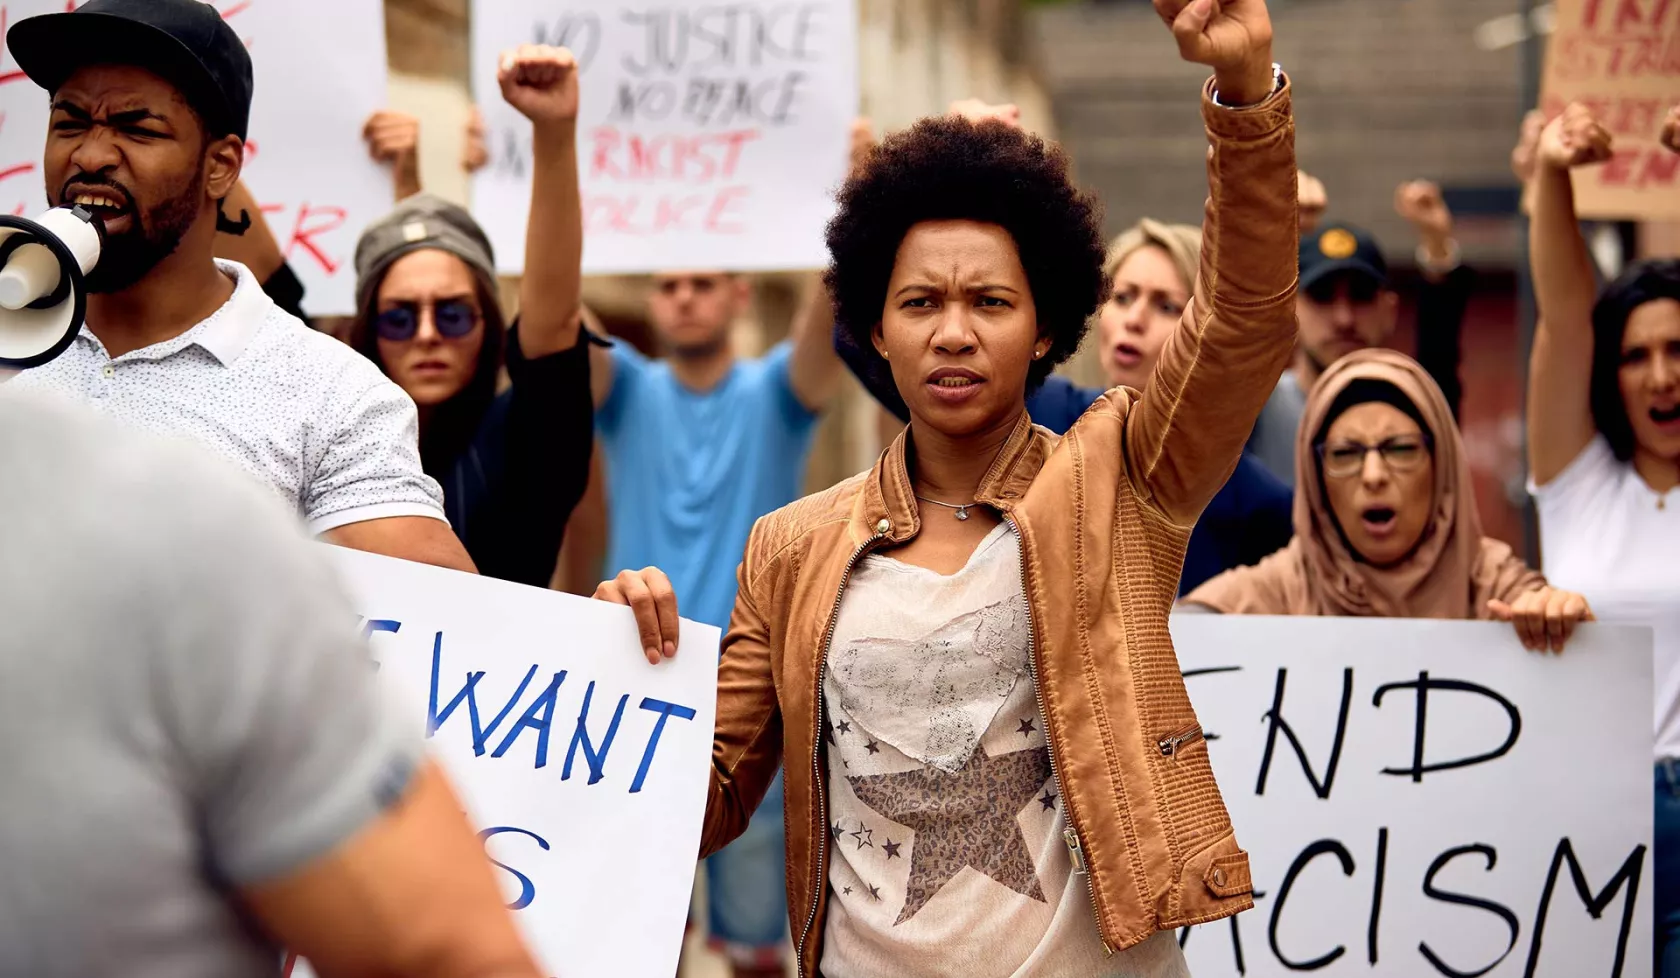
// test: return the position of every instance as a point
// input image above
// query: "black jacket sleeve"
(1440, 330)
(533, 458)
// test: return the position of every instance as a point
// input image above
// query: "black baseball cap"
(183, 41)
(1341, 248)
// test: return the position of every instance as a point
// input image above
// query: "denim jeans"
(1666, 862)
(746, 887)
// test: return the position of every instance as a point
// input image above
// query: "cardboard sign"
(1622, 59)
(710, 135)
(1425, 797)
(305, 159)
(584, 767)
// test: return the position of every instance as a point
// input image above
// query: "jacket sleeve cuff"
(1248, 121)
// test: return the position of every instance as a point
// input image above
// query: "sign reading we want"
(1426, 798)
(319, 71)
(710, 135)
(584, 768)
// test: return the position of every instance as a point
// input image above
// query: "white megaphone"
(43, 299)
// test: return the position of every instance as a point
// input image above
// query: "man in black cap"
(1345, 303)
(150, 103)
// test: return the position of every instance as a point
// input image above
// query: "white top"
(304, 413)
(1603, 534)
(946, 829)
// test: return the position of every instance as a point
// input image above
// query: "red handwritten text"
(710, 212)
(687, 158)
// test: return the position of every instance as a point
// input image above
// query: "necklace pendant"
(962, 512)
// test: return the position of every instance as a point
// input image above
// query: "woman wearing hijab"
(1385, 518)
(993, 767)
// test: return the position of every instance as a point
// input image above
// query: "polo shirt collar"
(230, 329)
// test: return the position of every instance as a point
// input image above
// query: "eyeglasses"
(453, 318)
(1344, 460)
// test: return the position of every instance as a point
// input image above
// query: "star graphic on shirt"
(846, 890)
(865, 837)
(875, 893)
(1027, 726)
(872, 747)
(1049, 799)
(993, 789)
(844, 726)
(891, 848)
(828, 732)
(838, 831)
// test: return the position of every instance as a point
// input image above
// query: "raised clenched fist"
(1233, 37)
(1575, 138)
(541, 82)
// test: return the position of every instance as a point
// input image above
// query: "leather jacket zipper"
(1076, 851)
(1172, 743)
(816, 749)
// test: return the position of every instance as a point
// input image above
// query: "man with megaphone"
(150, 103)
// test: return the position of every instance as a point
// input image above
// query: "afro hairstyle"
(949, 168)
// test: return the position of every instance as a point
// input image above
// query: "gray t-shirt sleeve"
(285, 738)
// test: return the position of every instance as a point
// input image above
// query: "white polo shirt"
(304, 413)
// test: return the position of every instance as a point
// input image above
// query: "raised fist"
(1524, 154)
(541, 82)
(474, 152)
(1573, 139)
(392, 137)
(1420, 202)
(1233, 37)
(1312, 200)
(863, 142)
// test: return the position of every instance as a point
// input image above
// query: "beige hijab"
(1453, 572)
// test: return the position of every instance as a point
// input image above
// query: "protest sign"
(1424, 797)
(710, 135)
(584, 767)
(1622, 59)
(305, 160)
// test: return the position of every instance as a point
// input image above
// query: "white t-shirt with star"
(946, 829)
(309, 417)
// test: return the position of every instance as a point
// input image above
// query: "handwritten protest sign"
(711, 135)
(584, 767)
(1423, 798)
(305, 159)
(1622, 59)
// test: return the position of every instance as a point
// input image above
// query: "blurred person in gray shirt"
(196, 764)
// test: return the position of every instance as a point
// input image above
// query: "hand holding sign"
(1545, 619)
(650, 597)
(1575, 138)
(1233, 37)
(541, 82)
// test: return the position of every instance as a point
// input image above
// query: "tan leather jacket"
(1103, 515)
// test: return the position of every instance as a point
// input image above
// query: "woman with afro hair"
(992, 766)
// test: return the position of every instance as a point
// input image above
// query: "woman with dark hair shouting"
(963, 653)
(1604, 452)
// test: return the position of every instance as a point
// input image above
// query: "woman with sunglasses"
(1385, 518)
(513, 465)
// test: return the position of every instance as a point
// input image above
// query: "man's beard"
(127, 258)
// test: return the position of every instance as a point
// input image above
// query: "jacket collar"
(887, 505)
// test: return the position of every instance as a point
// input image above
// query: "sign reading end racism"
(710, 135)
(1425, 798)
(1621, 58)
(584, 768)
